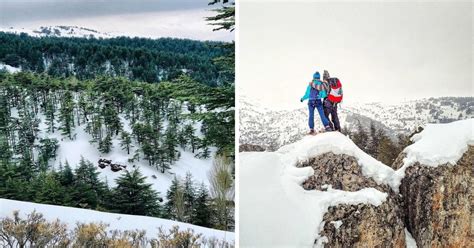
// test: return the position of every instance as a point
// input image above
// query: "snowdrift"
(123, 222)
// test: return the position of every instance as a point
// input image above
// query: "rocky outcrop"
(250, 148)
(438, 202)
(362, 225)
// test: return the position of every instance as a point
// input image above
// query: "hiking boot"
(328, 129)
(312, 132)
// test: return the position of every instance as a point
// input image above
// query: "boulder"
(361, 225)
(438, 202)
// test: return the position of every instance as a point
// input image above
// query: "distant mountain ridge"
(59, 31)
(272, 129)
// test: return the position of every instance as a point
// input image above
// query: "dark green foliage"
(136, 58)
(87, 186)
(202, 213)
(133, 196)
(47, 151)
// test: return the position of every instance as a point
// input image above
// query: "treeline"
(150, 120)
(36, 231)
(149, 60)
(82, 188)
(377, 143)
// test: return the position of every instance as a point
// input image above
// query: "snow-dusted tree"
(126, 142)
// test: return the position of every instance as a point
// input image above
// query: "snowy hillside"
(123, 222)
(73, 150)
(59, 31)
(272, 129)
(406, 116)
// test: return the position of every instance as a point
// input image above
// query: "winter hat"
(316, 75)
(326, 75)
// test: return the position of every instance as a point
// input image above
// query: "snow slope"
(275, 209)
(123, 222)
(72, 151)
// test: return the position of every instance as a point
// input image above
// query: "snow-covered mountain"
(59, 31)
(272, 129)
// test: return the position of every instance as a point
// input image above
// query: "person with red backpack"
(334, 96)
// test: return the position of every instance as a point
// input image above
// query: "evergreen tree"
(87, 186)
(47, 151)
(188, 198)
(66, 114)
(202, 214)
(134, 196)
(360, 137)
(105, 145)
(126, 142)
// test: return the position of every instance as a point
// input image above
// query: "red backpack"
(335, 91)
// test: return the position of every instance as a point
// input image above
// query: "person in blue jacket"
(315, 93)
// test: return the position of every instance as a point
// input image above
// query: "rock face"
(361, 225)
(250, 148)
(438, 202)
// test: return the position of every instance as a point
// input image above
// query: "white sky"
(386, 52)
(144, 18)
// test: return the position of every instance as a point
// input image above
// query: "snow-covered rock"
(361, 225)
(436, 184)
(123, 222)
(275, 209)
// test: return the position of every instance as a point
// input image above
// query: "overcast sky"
(385, 52)
(146, 18)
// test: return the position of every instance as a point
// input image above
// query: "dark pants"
(330, 109)
(312, 104)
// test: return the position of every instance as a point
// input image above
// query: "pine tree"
(126, 142)
(105, 145)
(47, 151)
(202, 214)
(134, 196)
(50, 114)
(191, 139)
(66, 115)
(188, 198)
(360, 137)
(87, 186)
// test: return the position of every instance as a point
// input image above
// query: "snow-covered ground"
(123, 222)
(73, 150)
(9, 68)
(275, 210)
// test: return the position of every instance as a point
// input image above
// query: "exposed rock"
(250, 148)
(438, 202)
(363, 225)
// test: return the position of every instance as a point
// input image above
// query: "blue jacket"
(312, 93)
